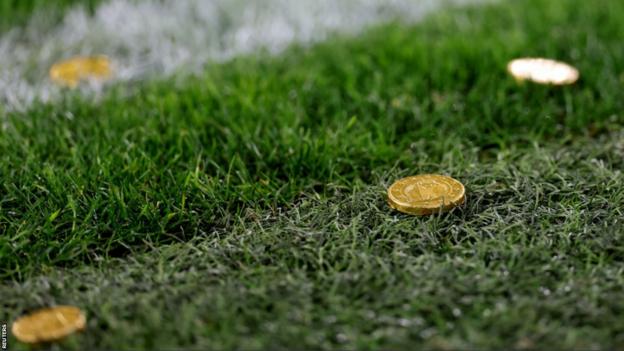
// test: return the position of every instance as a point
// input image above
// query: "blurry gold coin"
(543, 71)
(48, 324)
(71, 71)
(426, 194)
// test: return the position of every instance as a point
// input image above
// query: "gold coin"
(72, 71)
(543, 71)
(426, 194)
(48, 324)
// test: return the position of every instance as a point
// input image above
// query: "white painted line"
(157, 39)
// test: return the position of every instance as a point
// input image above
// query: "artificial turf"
(245, 208)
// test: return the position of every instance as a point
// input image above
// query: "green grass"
(246, 208)
(18, 12)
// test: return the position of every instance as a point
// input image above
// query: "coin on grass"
(72, 71)
(426, 194)
(48, 324)
(543, 71)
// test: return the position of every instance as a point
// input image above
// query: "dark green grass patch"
(246, 208)
(533, 260)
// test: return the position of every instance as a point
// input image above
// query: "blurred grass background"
(18, 12)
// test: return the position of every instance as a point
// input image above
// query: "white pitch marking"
(156, 39)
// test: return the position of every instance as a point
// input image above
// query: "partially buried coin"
(426, 194)
(48, 324)
(72, 71)
(543, 71)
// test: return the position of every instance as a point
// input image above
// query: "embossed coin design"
(72, 71)
(426, 194)
(543, 71)
(48, 324)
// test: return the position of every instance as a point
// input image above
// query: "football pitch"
(244, 206)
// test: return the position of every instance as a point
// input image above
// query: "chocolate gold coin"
(48, 324)
(426, 194)
(543, 71)
(72, 71)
